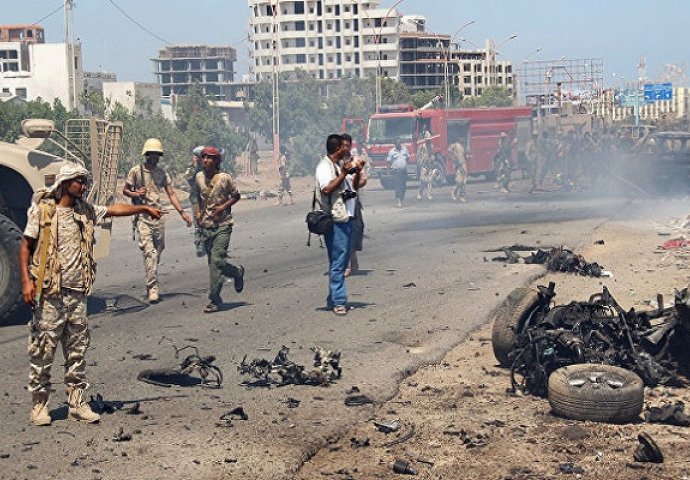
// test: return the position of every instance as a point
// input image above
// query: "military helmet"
(152, 145)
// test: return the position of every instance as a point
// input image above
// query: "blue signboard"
(657, 91)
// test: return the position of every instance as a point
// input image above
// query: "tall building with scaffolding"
(178, 67)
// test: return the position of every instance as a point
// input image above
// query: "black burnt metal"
(598, 331)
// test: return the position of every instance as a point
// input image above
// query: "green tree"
(490, 97)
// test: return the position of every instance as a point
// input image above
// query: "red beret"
(211, 152)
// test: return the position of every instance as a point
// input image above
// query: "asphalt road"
(426, 284)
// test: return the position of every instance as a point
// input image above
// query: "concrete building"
(32, 70)
(327, 38)
(23, 33)
(423, 57)
(93, 81)
(178, 67)
(136, 97)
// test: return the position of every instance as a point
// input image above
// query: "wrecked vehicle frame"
(598, 331)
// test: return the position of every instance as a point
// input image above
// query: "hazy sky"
(619, 31)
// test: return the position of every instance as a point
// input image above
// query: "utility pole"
(69, 53)
(275, 83)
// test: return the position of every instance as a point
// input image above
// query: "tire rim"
(597, 379)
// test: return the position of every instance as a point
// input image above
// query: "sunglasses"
(81, 180)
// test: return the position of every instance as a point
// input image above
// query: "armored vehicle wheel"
(510, 318)
(600, 393)
(10, 281)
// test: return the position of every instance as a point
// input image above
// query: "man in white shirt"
(337, 195)
(398, 157)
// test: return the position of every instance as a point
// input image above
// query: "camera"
(348, 195)
(351, 171)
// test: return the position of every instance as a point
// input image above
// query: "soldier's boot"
(153, 294)
(39, 409)
(79, 409)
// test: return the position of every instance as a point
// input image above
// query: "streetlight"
(446, 54)
(379, 93)
(452, 39)
(531, 54)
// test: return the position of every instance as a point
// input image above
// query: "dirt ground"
(465, 397)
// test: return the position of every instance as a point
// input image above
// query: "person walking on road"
(337, 196)
(502, 163)
(144, 185)
(426, 169)
(217, 194)
(57, 271)
(284, 175)
(456, 151)
(397, 159)
(190, 176)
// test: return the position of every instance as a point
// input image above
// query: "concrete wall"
(125, 94)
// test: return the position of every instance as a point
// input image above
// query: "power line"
(49, 15)
(138, 24)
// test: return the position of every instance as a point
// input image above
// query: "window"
(348, 58)
(337, 10)
(479, 91)
(509, 80)
(479, 79)
(346, 8)
(299, 8)
(299, 26)
(468, 92)
(509, 69)
(346, 25)
(211, 77)
(354, 9)
(300, 42)
(499, 69)
(467, 79)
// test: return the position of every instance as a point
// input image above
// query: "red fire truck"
(478, 129)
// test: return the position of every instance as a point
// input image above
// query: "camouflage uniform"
(284, 180)
(531, 154)
(502, 165)
(216, 233)
(151, 231)
(70, 270)
(190, 176)
(426, 171)
(457, 154)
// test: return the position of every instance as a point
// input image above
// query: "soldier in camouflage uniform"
(284, 175)
(456, 151)
(144, 185)
(190, 176)
(502, 166)
(57, 271)
(532, 158)
(217, 194)
(426, 170)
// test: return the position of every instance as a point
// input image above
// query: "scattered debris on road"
(388, 427)
(557, 259)
(669, 414)
(402, 467)
(211, 375)
(236, 413)
(121, 436)
(647, 450)
(358, 400)
(282, 371)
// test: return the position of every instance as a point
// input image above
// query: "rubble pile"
(211, 375)
(556, 259)
(598, 331)
(283, 371)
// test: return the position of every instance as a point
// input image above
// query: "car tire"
(10, 280)
(511, 315)
(599, 393)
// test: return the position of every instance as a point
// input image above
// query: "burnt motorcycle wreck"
(534, 338)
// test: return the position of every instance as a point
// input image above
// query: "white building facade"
(40, 70)
(327, 38)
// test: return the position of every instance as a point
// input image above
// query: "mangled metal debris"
(557, 259)
(647, 450)
(210, 375)
(534, 338)
(669, 414)
(283, 371)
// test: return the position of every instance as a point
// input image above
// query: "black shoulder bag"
(318, 221)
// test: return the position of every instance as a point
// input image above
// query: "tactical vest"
(85, 216)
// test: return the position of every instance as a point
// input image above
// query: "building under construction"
(178, 67)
